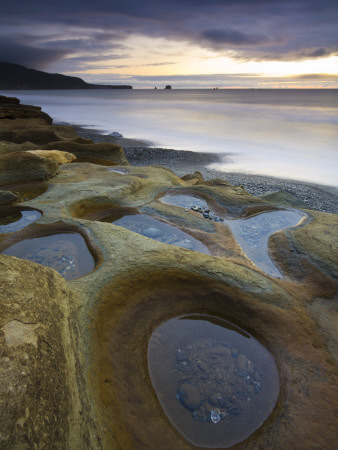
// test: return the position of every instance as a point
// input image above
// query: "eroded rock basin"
(65, 252)
(14, 219)
(215, 382)
(156, 229)
(252, 233)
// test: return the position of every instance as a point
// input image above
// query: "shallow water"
(183, 201)
(284, 133)
(15, 220)
(67, 253)
(159, 231)
(215, 382)
(253, 235)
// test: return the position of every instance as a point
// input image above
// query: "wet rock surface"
(73, 353)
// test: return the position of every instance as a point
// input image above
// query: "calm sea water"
(285, 133)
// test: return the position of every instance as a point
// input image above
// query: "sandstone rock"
(55, 155)
(10, 109)
(23, 166)
(195, 176)
(7, 197)
(34, 390)
(101, 153)
(11, 147)
(39, 136)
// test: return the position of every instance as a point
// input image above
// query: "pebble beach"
(141, 153)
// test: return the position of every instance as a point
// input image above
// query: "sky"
(185, 43)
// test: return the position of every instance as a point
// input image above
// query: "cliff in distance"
(14, 76)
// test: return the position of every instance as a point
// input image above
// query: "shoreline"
(140, 153)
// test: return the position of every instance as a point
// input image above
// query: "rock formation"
(74, 353)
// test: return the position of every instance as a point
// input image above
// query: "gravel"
(139, 153)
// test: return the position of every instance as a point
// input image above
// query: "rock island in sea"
(81, 296)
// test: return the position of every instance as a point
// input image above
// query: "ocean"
(291, 134)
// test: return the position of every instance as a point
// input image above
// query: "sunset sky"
(185, 43)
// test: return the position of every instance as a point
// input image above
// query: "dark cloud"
(29, 56)
(249, 29)
(233, 37)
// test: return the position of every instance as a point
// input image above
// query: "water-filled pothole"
(159, 231)
(183, 201)
(14, 219)
(215, 382)
(253, 235)
(66, 252)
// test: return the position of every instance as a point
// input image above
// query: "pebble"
(151, 232)
(241, 361)
(189, 396)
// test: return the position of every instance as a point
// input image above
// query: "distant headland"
(17, 77)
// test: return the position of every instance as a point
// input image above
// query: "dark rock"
(189, 396)
(13, 100)
(7, 197)
(40, 136)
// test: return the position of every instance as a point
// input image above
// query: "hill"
(15, 76)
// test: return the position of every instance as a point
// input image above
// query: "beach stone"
(189, 396)
(220, 350)
(151, 232)
(241, 361)
(23, 166)
(203, 366)
(115, 134)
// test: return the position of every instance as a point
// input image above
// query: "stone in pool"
(215, 382)
(189, 396)
(160, 231)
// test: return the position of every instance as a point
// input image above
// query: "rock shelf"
(74, 352)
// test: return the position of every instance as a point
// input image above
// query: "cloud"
(249, 29)
(28, 55)
(232, 37)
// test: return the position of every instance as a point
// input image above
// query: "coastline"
(140, 153)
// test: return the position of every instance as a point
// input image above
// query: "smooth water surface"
(215, 382)
(12, 220)
(67, 253)
(159, 231)
(182, 200)
(253, 235)
(284, 133)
